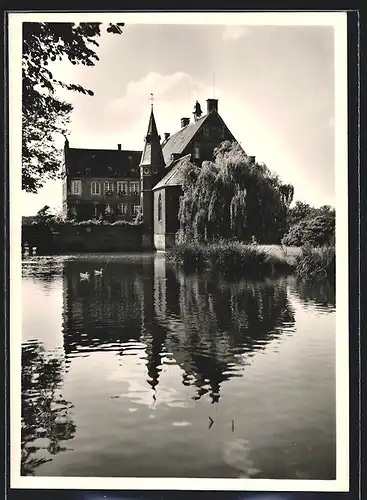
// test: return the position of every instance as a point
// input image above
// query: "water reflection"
(146, 353)
(320, 295)
(210, 329)
(46, 424)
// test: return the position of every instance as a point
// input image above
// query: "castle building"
(120, 184)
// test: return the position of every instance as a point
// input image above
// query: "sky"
(274, 85)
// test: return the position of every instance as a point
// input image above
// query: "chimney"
(184, 122)
(212, 105)
(252, 159)
(166, 135)
(119, 147)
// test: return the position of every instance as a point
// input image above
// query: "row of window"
(122, 187)
(120, 209)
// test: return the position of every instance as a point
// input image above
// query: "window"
(95, 188)
(206, 131)
(122, 187)
(108, 210)
(197, 152)
(160, 207)
(108, 186)
(136, 209)
(122, 208)
(76, 187)
(134, 187)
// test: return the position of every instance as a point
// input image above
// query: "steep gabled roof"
(177, 142)
(174, 176)
(102, 162)
(152, 154)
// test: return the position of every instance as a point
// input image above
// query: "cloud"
(174, 97)
(175, 87)
(234, 32)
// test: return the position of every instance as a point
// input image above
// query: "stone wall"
(93, 238)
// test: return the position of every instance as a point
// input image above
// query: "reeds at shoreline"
(236, 259)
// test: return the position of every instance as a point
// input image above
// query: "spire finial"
(151, 98)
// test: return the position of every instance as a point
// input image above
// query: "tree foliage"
(233, 197)
(301, 211)
(310, 225)
(315, 231)
(44, 114)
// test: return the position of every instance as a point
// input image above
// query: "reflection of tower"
(160, 299)
(154, 310)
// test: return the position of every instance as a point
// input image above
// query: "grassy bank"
(232, 259)
(235, 259)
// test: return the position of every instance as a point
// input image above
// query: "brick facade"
(101, 183)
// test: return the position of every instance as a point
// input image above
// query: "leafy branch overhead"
(44, 114)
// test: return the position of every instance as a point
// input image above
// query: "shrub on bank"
(55, 223)
(228, 258)
(316, 264)
(316, 231)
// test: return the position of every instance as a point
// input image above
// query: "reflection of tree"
(223, 321)
(320, 294)
(45, 416)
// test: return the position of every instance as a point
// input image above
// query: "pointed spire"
(152, 154)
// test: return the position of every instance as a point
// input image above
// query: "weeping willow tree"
(233, 197)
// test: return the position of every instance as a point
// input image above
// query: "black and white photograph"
(179, 251)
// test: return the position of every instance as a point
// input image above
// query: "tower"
(151, 172)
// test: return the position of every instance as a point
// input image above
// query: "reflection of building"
(102, 310)
(209, 329)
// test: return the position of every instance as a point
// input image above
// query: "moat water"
(145, 371)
